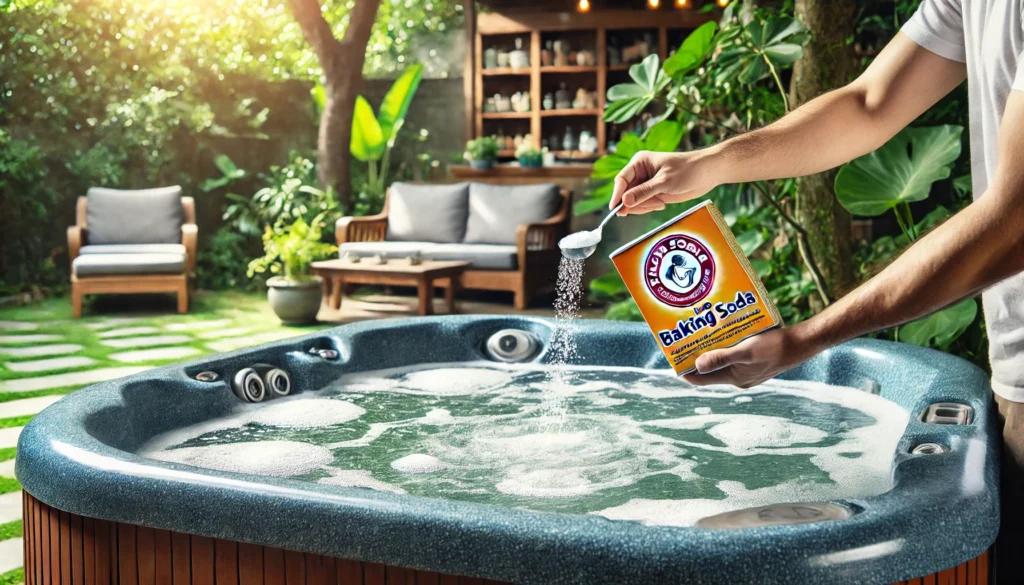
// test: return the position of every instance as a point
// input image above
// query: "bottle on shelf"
(519, 59)
(490, 58)
(549, 101)
(569, 140)
(547, 54)
(562, 99)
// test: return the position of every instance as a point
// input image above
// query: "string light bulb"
(682, 4)
(583, 6)
(653, 4)
(722, 3)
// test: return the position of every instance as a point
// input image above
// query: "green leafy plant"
(373, 136)
(289, 250)
(890, 178)
(221, 262)
(629, 99)
(483, 148)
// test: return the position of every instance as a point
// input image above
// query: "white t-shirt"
(987, 35)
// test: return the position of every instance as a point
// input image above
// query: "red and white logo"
(679, 270)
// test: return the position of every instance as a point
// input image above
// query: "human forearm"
(975, 249)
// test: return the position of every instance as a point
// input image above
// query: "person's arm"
(976, 248)
(901, 83)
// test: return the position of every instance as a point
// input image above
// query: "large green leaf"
(743, 54)
(396, 103)
(367, 138)
(901, 171)
(942, 328)
(607, 167)
(664, 136)
(626, 100)
(692, 52)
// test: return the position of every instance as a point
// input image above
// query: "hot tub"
(105, 503)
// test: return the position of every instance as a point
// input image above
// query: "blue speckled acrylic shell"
(78, 455)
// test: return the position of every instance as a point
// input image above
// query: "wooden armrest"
(190, 239)
(370, 228)
(543, 235)
(76, 237)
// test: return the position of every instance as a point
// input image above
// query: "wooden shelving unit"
(593, 30)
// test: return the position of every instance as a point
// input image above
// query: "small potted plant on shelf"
(293, 293)
(482, 152)
(530, 156)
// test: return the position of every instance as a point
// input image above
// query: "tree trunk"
(342, 62)
(828, 63)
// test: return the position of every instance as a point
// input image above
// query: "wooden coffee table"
(337, 273)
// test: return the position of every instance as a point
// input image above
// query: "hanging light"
(683, 4)
(583, 6)
(722, 3)
(653, 4)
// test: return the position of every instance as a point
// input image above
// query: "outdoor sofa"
(508, 233)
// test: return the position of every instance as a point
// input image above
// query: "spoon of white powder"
(581, 245)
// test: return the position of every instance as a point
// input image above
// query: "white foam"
(419, 463)
(744, 432)
(702, 410)
(359, 479)
(273, 458)
(742, 399)
(547, 483)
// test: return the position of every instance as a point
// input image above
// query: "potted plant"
(293, 294)
(530, 156)
(482, 152)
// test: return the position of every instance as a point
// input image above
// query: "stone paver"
(10, 507)
(128, 332)
(18, 326)
(234, 343)
(31, 338)
(113, 322)
(197, 325)
(69, 379)
(61, 363)
(220, 333)
(11, 555)
(148, 341)
(40, 350)
(152, 355)
(9, 438)
(26, 406)
(7, 468)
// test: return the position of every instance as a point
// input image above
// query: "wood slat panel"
(67, 549)
(250, 563)
(350, 572)
(181, 559)
(273, 566)
(162, 568)
(226, 562)
(294, 568)
(202, 560)
(145, 546)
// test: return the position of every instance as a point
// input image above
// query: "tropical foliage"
(290, 249)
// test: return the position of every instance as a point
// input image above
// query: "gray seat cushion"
(125, 264)
(133, 249)
(427, 213)
(144, 216)
(480, 256)
(497, 211)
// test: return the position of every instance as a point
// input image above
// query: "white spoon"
(581, 245)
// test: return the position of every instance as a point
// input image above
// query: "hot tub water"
(629, 443)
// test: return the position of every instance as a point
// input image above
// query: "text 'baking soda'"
(694, 286)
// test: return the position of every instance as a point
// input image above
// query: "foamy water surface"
(628, 444)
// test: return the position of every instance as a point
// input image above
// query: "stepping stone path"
(18, 326)
(32, 338)
(220, 333)
(11, 555)
(7, 468)
(9, 438)
(248, 341)
(196, 325)
(129, 331)
(152, 355)
(26, 406)
(69, 379)
(113, 322)
(47, 365)
(40, 350)
(148, 341)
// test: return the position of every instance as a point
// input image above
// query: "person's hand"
(754, 360)
(653, 179)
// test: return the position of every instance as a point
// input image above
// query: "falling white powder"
(563, 349)
(358, 478)
(273, 458)
(419, 463)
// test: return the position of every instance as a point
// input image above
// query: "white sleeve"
(938, 26)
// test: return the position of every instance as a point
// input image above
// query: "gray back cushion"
(143, 216)
(427, 213)
(496, 211)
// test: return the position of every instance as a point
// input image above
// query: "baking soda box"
(694, 286)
